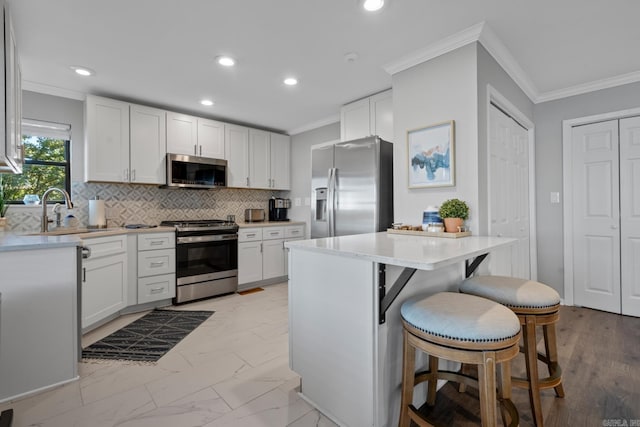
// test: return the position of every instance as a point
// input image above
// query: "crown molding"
(326, 121)
(52, 90)
(436, 49)
(580, 89)
(501, 54)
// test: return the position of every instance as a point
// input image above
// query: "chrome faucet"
(45, 219)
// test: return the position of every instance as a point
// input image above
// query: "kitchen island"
(345, 330)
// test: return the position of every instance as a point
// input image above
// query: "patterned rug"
(148, 338)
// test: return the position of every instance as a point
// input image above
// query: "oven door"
(206, 257)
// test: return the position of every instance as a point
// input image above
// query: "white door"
(596, 216)
(630, 214)
(272, 259)
(509, 193)
(249, 262)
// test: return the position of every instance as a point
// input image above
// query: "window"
(47, 162)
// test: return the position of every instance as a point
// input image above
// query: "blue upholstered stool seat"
(511, 291)
(466, 329)
(461, 317)
(535, 304)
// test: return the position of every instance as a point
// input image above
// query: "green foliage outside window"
(46, 165)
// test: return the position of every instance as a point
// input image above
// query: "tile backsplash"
(147, 204)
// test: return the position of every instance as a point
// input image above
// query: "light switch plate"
(307, 201)
(555, 197)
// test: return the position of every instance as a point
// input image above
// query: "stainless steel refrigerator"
(351, 187)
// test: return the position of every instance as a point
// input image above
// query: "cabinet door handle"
(247, 181)
(260, 247)
(157, 263)
(126, 175)
(133, 174)
(84, 274)
(195, 149)
(201, 151)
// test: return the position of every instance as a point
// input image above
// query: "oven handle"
(198, 239)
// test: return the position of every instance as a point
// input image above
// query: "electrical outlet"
(297, 201)
(555, 197)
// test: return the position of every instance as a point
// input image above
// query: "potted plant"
(453, 212)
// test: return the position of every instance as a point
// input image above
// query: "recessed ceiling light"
(206, 102)
(291, 81)
(373, 5)
(83, 71)
(227, 61)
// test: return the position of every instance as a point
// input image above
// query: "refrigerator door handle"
(331, 202)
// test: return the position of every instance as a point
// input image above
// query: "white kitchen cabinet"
(195, 136)
(11, 150)
(258, 159)
(369, 116)
(236, 146)
(147, 146)
(249, 255)
(262, 255)
(104, 279)
(124, 142)
(156, 267)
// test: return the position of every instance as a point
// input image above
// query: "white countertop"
(421, 252)
(269, 224)
(65, 238)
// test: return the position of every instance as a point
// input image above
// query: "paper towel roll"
(97, 214)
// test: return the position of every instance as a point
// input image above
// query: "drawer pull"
(157, 264)
(251, 235)
(295, 231)
(274, 233)
(156, 242)
(156, 290)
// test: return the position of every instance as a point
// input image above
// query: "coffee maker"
(278, 209)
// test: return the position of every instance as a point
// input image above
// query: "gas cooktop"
(201, 224)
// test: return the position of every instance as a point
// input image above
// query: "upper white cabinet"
(257, 158)
(369, 116)
(147, 145)
(236, 144)
(195, 136)
(11, 150)
(124, 142)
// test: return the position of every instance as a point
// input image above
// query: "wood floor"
(600, 357)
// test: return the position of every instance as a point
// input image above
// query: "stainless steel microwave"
(195, 172)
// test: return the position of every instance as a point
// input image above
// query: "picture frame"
(430, 156)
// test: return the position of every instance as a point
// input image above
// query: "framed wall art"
(431, 160)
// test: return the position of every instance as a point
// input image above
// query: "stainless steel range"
(206, 258)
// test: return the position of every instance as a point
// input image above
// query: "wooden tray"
(430, 233)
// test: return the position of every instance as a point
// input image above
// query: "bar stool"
(466, 329)
(535, 304)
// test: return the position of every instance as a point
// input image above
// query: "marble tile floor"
(231, 371)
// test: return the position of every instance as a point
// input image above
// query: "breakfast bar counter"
(345, 330)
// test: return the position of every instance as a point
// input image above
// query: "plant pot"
(3, 223)
(451, 224)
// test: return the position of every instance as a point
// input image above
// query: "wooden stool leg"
(551, 348)
(433, 381)
(504, 386)
(487, 388)
(531, 359)
(408, 373)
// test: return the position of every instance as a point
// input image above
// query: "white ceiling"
(162, 52)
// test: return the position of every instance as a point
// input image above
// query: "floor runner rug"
(148, 338)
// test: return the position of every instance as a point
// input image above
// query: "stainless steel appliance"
(278, 209)
(206, 258)
(195, 172)
(254, 215)
(351, 187)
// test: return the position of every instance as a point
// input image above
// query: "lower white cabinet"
(104, 278)
(261, 252)
(156, 267)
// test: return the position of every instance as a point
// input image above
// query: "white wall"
(442, 89)
(548, 117)
(301, 167)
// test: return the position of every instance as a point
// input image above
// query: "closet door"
(596, 216)
(630, 214)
